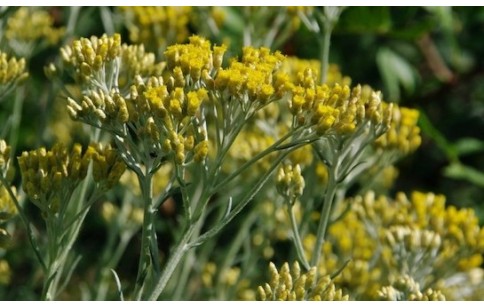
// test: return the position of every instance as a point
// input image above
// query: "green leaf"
(395, 71)
(467, 146)
(430, 130)
(459, 171)
(118, 284)
(443, 15)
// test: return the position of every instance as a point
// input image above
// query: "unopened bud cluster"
(100, 109)
(412, 239)
(29, 24)
(416, 235)
(89, 57)
(406, 288)
(108, 167)
(253, 79)
(157, 26)
(166, 116)
(404, 134)
(289, 284)
(295, 68)
(51, 176)
(7, 206)
(336, 109)
(12, 72)
(290, 182)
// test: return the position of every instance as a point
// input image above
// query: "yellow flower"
(12, 73)
(156, 27)
(291, 284)
(28, 27)
(50, 177)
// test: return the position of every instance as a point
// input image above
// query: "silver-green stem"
(16, 118)
(173, 261)
(297, 239)
(25, 221)
(181, 285)
(325, 215)
(145, 181)
(60, 251)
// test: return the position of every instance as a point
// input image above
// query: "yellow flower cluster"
(50, 177)
(404, 134)
(196, 60)
(223, 282)
(252, 80)
(295, 68)
(158, 112)
(336, 109)
(384, 239)
(249, 143)
(5, 272)
(405, 288)
(12, 72)
(458, 227)
(157, 27)
(136, 61)
(89, 57)
(107, 167)
(100, 109)
(5, 152)
(7, 205)
(29, 24)
(167, 118)
(290, 284)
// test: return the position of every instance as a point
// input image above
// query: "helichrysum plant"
(208, 160)
(12, 72)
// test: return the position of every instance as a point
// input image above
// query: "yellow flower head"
(404, 134)
(49, 177)
(87, 57)
(289, 283)
(157, 27)
(12, 72)
(29, 26)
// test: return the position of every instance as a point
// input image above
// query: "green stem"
(254, 159)
(25, 221)
(145, 181)
(245, 200)
(186, 269)
(172, 263)
(62, 245)
(297, 239)
(16, 118)
(63, 236)
(325, 215)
